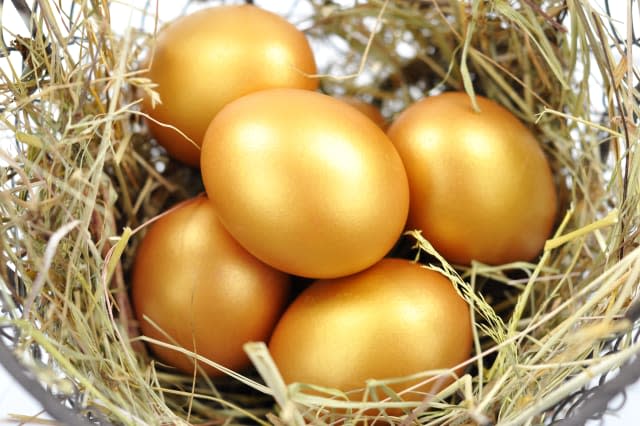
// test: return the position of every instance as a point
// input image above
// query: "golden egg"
(203, 290)
(481, 187)
(206, 59)
(305, 182)
(392, 320)
(367, 109)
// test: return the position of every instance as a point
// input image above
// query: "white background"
(14, 400)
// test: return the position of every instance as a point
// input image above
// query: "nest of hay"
(81, 177)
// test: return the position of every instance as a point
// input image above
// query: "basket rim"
(35, 388)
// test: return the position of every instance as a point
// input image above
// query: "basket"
(555, 339)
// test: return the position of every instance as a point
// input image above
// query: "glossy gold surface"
(305, 182)
(481, 187)
(392, 320)
(367, 109)
(206, 59)
(193, 280)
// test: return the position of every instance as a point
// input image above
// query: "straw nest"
(81, 177)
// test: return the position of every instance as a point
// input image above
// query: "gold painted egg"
(203, 290)
(305, 182)
(481, 186)
(206, 59)
(394, 319)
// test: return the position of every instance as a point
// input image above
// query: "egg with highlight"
(392, 320)
(481, 186)
(195, 287)
(206, 59)
(305, 182)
